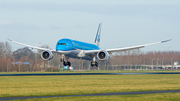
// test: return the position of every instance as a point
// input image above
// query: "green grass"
(140, 97)
(66, 71)
(13, 86)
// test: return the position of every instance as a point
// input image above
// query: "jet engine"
(47, 55)
(103, 55)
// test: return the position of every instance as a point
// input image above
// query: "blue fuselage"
(70, 45)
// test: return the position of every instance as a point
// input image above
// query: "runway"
(103, 94)
(51, 74)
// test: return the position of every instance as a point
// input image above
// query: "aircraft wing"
(33, 47)
(135, 47)
(124, 48)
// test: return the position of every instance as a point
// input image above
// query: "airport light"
(89, 66)
(157, 63)
(82, 64)
(171, 63)
(7, 67)
(19, 67)
(105, 65)
(1, 63)
(152, 63)
(162, 61)
(145, 63)
(30, 67)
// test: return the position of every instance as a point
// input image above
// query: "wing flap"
(91, 51)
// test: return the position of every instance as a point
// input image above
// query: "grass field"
(13, 86)
(66, 71)
(141, 97)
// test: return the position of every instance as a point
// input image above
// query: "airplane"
(69, 48)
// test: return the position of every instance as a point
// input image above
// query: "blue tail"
(97, 39)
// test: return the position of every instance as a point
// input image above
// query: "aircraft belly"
(74, 54)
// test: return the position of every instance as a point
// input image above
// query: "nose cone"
(64, 45)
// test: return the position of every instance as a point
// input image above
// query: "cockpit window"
(61, 44)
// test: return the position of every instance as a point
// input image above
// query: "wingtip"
(166, 41)
(9, 39)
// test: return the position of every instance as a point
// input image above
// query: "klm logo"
(98, 39)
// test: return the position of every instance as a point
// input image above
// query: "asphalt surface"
(47, 74)
(104, 94)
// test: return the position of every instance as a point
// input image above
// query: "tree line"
(13, 61)
(147, 58)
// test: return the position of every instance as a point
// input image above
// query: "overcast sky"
(124, 22)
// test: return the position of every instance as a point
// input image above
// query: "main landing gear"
(94, 64)
(67, 63)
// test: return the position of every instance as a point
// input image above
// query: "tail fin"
(97, 39)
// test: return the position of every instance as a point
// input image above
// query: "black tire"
(92, 64)
(64, 63)
(96, 64)
(69, 63)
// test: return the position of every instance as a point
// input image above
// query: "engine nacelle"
(103, 55)
(47, 55)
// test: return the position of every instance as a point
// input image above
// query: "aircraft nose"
(64, 45)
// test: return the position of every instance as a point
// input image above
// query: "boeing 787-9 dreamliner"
(69, 48)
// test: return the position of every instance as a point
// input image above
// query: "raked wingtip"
(166, 41)
(9, 39)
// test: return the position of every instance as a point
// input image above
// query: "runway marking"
(103, 94)
(46, 74)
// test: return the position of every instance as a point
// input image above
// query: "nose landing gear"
(65, 63)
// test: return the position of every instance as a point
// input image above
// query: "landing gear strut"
(94, 63)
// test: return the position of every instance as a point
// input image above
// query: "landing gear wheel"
(94, 64)
(69, 64)
(64, 63)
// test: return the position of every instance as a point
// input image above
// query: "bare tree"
(5, 49)
(23, 52)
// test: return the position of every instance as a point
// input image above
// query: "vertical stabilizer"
(97, 39)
